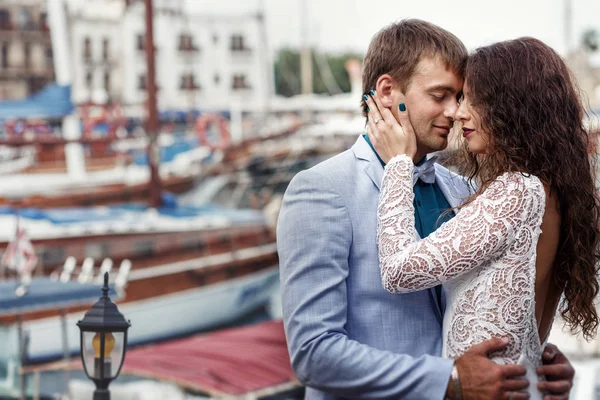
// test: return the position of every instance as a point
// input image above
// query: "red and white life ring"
(201, 126)
(110, 116)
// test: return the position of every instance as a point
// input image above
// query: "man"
(346, 335)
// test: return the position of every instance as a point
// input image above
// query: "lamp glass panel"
(89, 354)
(117, 352)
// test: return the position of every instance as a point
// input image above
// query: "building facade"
(26, 63)
(202, 62)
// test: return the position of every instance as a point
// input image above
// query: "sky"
(341, 25)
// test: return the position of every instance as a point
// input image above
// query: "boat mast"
(152, 125)
(306, 71)
(568, 21)
(62, 69)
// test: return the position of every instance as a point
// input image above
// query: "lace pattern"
(485, 258)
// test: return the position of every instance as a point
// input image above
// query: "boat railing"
(68, 268)
(87, 272)
(105, 267)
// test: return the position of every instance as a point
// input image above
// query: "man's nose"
(451, 112)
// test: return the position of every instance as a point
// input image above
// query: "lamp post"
(103, 342)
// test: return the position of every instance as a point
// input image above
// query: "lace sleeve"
(481, 231)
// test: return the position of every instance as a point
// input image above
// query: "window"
(140, 42)
(5, 22)
(87, 49)
(53, 256)
(193, 244)
(239, 82)
(107, 81)
(144, 248)
(98, 250)
(186, 43)
(188, 82)
(27, 54)
(89, 79)
(237, 43)
(105, 49)
(49, 57)
(142, 82)
(44, 21)
(25, 20)
(4, 55)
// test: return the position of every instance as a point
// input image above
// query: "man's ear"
(384, 87)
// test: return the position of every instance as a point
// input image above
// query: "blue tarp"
(168, 153)
(53, 101)
(131, 211)
(44, 294)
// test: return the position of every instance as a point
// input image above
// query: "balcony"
(241, 50)
(37, 36)
(23, 72)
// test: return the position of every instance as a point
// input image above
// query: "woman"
(530, 233)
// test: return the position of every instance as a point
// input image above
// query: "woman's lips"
(467, 131)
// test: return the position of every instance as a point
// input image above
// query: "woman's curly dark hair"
(528, 102)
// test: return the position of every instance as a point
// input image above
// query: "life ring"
(117, 120)
(110, 116)
(89, 122)
(16, 127)
(201, 127)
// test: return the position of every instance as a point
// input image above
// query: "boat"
(195, 267)
(247, 362)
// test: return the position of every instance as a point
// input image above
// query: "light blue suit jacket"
(347, 336)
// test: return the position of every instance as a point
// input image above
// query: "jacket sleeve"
(314, 237)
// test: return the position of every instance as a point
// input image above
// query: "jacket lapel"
(450, 184)
(453, 186)
(373, 167)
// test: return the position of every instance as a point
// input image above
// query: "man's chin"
(440, 144)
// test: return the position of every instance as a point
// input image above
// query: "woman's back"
(547, 293)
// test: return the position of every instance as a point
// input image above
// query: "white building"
(96, 33)
(202, 62)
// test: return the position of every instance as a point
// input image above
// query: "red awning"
(229, 362)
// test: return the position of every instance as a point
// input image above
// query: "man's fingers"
(489, 346)
(549, 353)
(556, 397)
(514, 385)
(516, 396)
(555, 387)
(512, 370)
(560, 371)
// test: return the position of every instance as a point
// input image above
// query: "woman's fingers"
(374, 114)
(388, 136)
(385, 112)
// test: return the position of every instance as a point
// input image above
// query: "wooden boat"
(123, 183)
(191, 269)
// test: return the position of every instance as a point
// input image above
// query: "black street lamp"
(103, 342)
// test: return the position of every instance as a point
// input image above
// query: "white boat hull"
(163, 317)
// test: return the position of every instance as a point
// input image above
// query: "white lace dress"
(484, 257)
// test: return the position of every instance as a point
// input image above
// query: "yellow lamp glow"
(109, 344)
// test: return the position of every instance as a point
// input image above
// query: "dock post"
(22, 384)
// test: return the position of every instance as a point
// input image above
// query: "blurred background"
(153, 140)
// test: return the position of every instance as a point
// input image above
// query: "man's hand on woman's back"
(480, 378)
